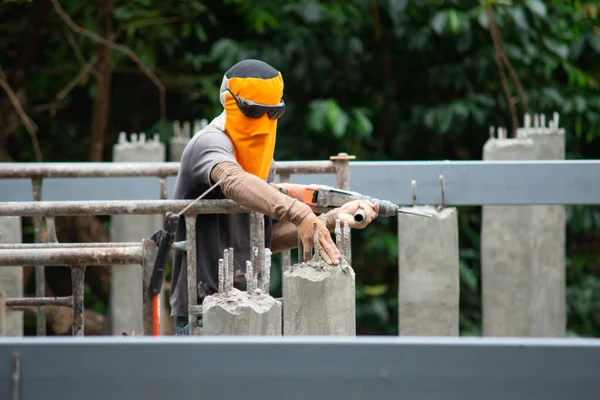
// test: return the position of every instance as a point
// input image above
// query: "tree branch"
(31, 127)
(118, 47)
(497, 58)
(86, 66)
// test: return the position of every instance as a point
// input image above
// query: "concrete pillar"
(318, 298)
(428, 287)
(523, 248)
(126, 289)
(233, 312)
(181, 137)
(11, 278)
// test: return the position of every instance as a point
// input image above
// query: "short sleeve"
(210, 148)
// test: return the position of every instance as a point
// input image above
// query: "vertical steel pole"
(192, 273)
(77, 279)
(40, 275)
(286, 255)
(342, 174)
(149, 251)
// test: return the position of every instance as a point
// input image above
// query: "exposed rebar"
(225, 271)
(346, 240)
(221, 276)
(316, 242)
(267, 273)
(230, 270)
(338, 235)
(256, 267)
(250, 284)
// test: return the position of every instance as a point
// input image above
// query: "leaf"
(519, 17)
(439, 21)
(375, 290)
(200, 33)
(362, 122)
(594, 41)
(453, 21)
(467, 276)
(336, 117)
(556, 47)
(537, 7)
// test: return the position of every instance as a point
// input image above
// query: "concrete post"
(11, 278)
(318, 298)
(181, 137)
(234, 312)
(523, 248)
(428, 287)
(126, 289)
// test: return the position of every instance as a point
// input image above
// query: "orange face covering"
(253, 138)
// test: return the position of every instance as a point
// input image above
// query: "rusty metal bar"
(149, 256)
(33, 246)
(72, 256)
(77, 280)
(117, 207)
(192, 273)
(38, 301)
(124, 169)
(40, 272)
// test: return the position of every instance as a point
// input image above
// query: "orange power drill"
(323, 198)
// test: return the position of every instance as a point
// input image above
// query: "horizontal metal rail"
(117, 207)
(332, 368)
(39, 301)
(67, 245)
(72, 256)
(122, 170)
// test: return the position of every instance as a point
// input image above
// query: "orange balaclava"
(253, 138)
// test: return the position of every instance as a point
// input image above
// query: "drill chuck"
(386, 209)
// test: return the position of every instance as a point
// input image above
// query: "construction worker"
(237, 147)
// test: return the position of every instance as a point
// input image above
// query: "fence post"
(149, 256)
(11, 278)
(523, 247)
(126, 292)
(182, 136)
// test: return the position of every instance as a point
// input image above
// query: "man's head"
(252, 96)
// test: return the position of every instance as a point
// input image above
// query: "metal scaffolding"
(78, 256)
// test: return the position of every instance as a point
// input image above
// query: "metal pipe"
(192, 273)
(40, 272)
(39, 301)
(71, 256)
(66, 245)
(132, 169)
(77, 279)
(149, 250)
(117, 207)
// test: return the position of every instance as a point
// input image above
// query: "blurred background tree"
(380, 79)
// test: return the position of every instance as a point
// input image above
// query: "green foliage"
(387, 79)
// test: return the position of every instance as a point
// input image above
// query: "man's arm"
(257, 195)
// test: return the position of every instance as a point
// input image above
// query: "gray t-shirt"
(214, 232)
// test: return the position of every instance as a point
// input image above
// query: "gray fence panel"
(302, 368)
(466, 183)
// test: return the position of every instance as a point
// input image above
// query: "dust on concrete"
(236, 300)
(317, 270)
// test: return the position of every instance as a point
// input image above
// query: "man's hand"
(346, 213)
(327, 249)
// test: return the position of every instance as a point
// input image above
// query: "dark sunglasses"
(254, 110)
